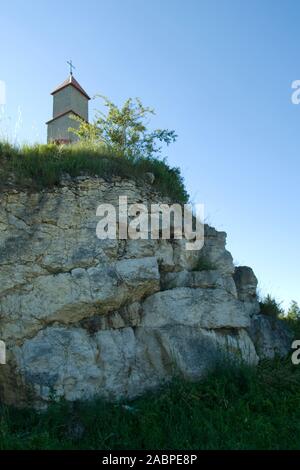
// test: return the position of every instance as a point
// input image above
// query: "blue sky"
(218, 72)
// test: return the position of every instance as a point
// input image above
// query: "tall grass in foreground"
(43, 166)
(233, 408)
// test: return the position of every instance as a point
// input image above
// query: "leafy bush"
(124, 130)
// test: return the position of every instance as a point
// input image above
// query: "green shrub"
(292, 318)
(124, 130)
(7, 151)
(293, 312)
(269, 306)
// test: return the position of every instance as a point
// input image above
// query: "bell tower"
(69, 98)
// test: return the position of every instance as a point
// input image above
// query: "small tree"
(124, 130)
(270, 306)
(293, 311)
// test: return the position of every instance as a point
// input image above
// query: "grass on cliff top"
(234, 408)
(42, 166)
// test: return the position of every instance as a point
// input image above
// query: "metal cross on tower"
(71, 67)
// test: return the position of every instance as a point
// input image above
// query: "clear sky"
(218, 72)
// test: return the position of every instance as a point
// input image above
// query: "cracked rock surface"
(83, 317)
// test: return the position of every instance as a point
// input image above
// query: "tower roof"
(71, 81)
(70, 111)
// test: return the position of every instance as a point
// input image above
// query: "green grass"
(204, 264)
(42, 166)
(233, 408)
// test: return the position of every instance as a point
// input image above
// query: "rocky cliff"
(83, 317)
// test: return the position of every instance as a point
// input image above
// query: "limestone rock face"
(246, 283)
(270, 335)
(83, 317)
(205, 308)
